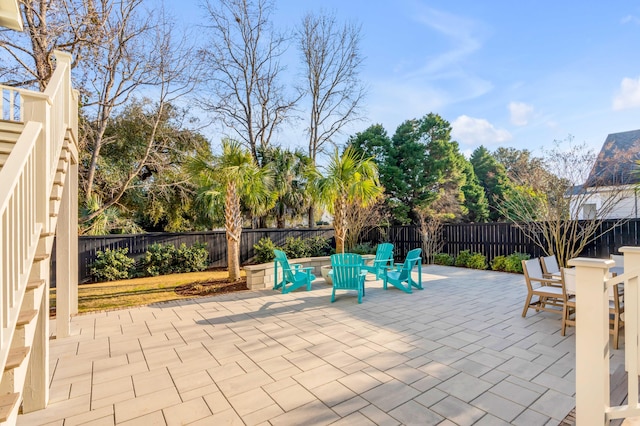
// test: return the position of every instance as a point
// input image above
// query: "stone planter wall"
(261, 276)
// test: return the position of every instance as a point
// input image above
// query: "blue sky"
(503, 73)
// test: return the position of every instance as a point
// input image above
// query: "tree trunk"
(280, 222)
(311, 215)
(233, 225)
(339, 222)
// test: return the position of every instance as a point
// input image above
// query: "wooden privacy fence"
(502, 239)
(490, 239)
(216, 242)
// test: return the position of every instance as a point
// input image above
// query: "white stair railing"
(26, 226)
(593, 404)
(11, 105)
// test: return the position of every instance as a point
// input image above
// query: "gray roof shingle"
(616, 162)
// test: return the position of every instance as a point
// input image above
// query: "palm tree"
(236, 174)
(293, 174)
(350, 178)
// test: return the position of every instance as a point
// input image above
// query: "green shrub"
(363, 248)
(443, 259)
(191, 259)
(477, 261)
(499, 263)
(158, 260)
(317, 246)
(514, 262)
(263, 250)
(111, 265)
(463, 258)
(295, 248)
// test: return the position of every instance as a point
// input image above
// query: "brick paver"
(458, 352)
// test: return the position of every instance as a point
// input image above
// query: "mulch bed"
(211, 287)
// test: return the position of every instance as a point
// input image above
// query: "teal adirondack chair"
(347, 274)
(384, 258)
(292, 277)
(401, 276)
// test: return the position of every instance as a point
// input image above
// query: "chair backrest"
(384, 251)
(550, 265)
(531, 269)
(618, 258)
(281, 258)
(339, 259)
(346, 270)
(569, 278)
(413, 257)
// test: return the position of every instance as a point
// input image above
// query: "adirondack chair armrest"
(307, 269)
(381, 262)
(295, 266)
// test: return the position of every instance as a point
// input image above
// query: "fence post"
(592, 340)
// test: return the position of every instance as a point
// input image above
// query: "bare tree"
(244, 71)
(67, 25)
(332, 62)
(553, 216)
(359, 218)
(139, 51)
(430, 220)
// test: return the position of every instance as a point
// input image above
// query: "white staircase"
(38, 185)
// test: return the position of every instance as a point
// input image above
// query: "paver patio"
(458, 352)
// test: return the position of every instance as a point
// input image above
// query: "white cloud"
(463, 35)
(477, 131)
(520, 113)
(629, 94)
(630, 19)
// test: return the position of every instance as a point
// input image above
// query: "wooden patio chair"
(550, 267)
(401, 277)
(550, 292)
(347, 274)
(616, 312)
(293, 276)
(568, 276)
(616, 306)
(384, 259)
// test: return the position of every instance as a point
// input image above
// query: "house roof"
(616, 162)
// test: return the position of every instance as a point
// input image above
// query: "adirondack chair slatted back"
(346, 270)
(384, 252)
(347, 274)
(281, 258)
(383, 259)
(413, 257)
(401, 277)
(292, 278)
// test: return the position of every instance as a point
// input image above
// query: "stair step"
(11, 126)
(56, 193)
(25, 317)
(6, 147)
(7, 404)
(32, 285)
(16, 356)
(41, 257)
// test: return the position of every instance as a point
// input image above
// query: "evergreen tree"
(493, 178)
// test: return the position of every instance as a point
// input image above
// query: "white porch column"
(631, 261)
(35, 395)
(592, 340)
(64, 262)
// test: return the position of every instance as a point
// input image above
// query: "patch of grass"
(138, 291)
